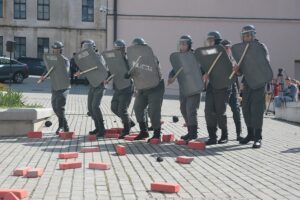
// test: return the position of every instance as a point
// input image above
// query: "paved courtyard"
(229, 171)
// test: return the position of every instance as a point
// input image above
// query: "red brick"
(68, 155)
(20, 193)
(117, 130)
(134, 134)
(114, 131)
(70, 165)
(99, 165)
(11, 196)
(112, 135)
(121, 150)
(184, 159)
(181, 142)
(66, 135)
(196, 145)
(165, 187)
(21, 171)
(92, 138)
(129, 137)
(154, 141)
(33, 134)
(34, 173)
(169, 137)
(89, 149)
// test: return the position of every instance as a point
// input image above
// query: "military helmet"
(119, 44)
(88, 43)
(249, 29)
(57, 45)
(216, 35)
(139, 41)
(187, 39)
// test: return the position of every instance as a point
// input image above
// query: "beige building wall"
(65, 25)
(162, 22)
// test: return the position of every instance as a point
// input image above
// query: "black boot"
(60, 125)
(249, 137)
(257, 138)
(224, 137)
(101, 129)
(186, 136)
(65, 125)
(212, 132)
(238, 131)
(156, 134)
(193, 132)
(143, 132)
(95, 131)
(125, 131)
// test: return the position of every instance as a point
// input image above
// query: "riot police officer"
(152, 97)
(253, 103)
(95, 95)
(233, 98)
(122, 97)
(189, 104)
(215, 102)
(59, 97)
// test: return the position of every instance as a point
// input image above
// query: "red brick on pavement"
(11, 196)
(70, 165)
(196, 145)
(21, 171)
(184, 159)
(121, 150)
(134, 134)
(112, 135)
(35, 134)
(92, 138)
(34, 173)
(168, 137)
(99, 165)
(165, 187)
(154, 141)
(68, 155)
(20, 193)
(181, 142)
(66, 135)
(129, 137)
(89, 149)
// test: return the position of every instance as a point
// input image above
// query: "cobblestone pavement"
(229, 171)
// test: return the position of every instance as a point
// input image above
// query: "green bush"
(14, 99)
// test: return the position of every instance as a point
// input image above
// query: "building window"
(43, 9)
(20, 9)
(1, 45)
(42, 47)
(87, 10)
(1, 8)
(20, 47)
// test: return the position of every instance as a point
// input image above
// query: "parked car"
(36, 66)
(19, 70)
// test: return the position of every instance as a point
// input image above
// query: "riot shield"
(89, 63)
(215, 61)
(118, 67)
(58, 71)
(190, 77)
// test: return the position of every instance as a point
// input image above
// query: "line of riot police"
(213, 68)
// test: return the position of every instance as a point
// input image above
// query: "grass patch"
(14, 99)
